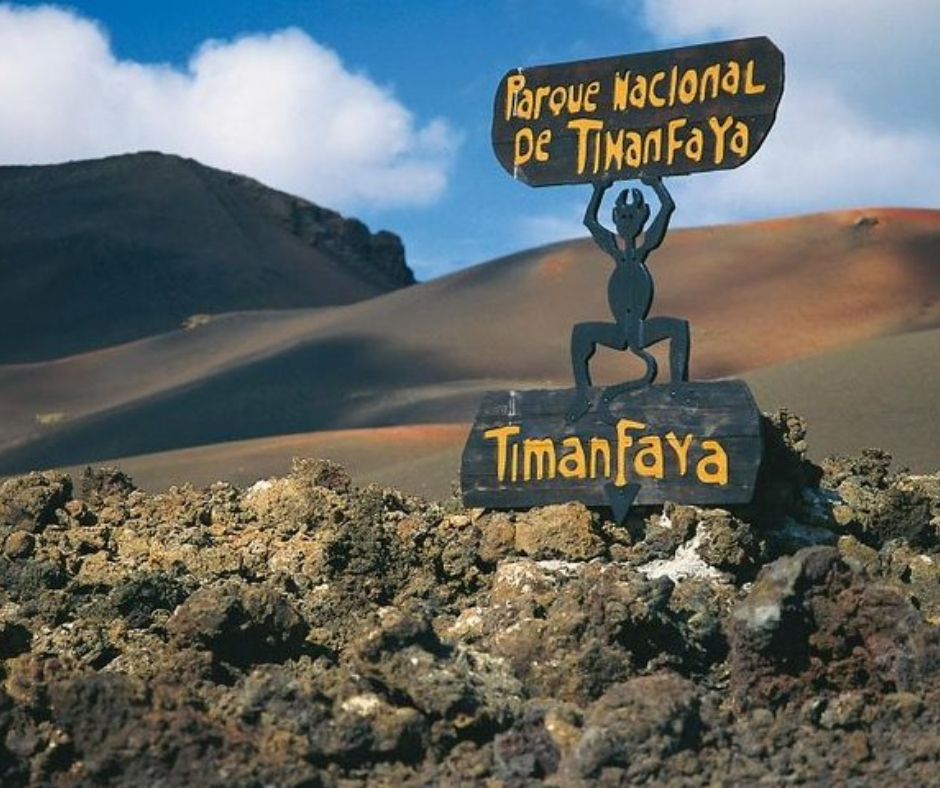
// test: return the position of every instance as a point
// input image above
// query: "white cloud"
(280, 107)
(858, 123)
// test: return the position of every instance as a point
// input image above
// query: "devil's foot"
(580, 406)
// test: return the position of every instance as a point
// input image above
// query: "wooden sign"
(671, 112)
(639, 117)
(686, 442)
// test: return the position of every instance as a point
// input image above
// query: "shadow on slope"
(329, 384)
(879, 394)
(757, 295)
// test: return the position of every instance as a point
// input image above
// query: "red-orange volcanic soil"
(762, 298)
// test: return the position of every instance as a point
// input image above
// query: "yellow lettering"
(688, 86)
(590, 96)
(634, 152)
(681, 450)
(740, 140)
(502, 435)
(638, 92)
(529, 104)
(541, 93)
(720, 129)
(624, 442)
(674, 144)
(572, 98)
(523, 147)
(613, 149)
(649, 460)
(573, 465)
(541, 453)
(710, 77)
(574, 457)
(526, 145)
(653, 146)
(713, 467)
(514, 84)
(621, 84)
(655, 99)
(695, 145)
(750, 87)
(731, 81)
(600, 447)
(584, 127)
(557, 100)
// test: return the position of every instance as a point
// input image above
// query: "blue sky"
(382, 110)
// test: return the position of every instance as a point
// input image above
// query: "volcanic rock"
(305, 631)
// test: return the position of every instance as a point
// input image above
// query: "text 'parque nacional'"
(663, 113)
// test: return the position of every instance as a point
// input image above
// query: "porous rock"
(239, 624)
(633, 726)
(877, 507)
(564, 532)
(728, 544)
(29, 502)
(809, 621)
(307, 632)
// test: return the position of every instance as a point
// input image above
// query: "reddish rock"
(809, 622)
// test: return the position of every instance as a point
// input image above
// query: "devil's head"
(630, 213)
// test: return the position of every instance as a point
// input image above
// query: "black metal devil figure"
(630, 295)
(635, 119)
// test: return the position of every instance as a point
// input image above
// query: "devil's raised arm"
(603, 237)
(657, 230)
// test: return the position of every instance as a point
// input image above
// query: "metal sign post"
(639, 117)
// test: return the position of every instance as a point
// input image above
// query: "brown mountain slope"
(95, 253)
(878, 393)
(884, 393)
(757, 294)
(420, 459)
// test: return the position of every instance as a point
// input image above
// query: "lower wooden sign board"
(696, 443)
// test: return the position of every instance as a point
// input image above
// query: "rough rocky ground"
(304, 632)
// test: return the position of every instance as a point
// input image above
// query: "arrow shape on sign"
(620, 499)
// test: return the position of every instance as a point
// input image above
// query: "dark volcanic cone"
(94, 253)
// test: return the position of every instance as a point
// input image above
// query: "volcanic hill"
(97, 253)
(833, 315)
(315, 629)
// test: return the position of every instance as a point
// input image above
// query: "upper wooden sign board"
(671, 112)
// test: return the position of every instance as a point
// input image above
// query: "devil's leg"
(585, 337)
(677, 332)
(612, 392)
